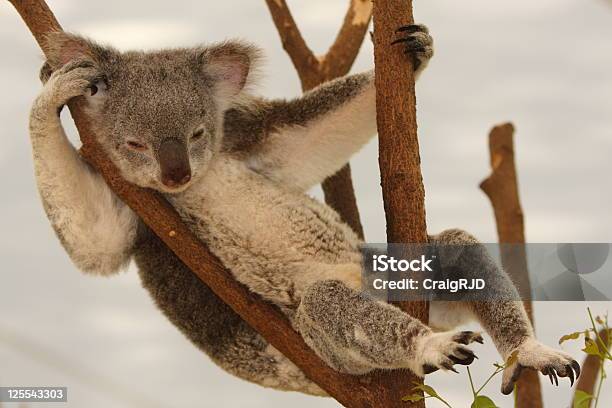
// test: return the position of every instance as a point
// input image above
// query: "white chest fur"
(256, 226)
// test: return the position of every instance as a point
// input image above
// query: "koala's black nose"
(174, 163)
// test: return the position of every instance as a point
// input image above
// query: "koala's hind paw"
(443, 350)
(71, 80)
(417, 43)
(550, 362)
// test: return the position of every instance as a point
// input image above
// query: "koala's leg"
(355, 334)
(94, 226)
(209, 323)
(503, 316)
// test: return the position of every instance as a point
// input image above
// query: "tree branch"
(341, 55)
(589, 374)
(338, 188)
(304, 61)
(502, 189)
(399, 160)
(156, 212)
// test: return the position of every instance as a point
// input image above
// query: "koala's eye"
(139, 147)
(197, 134)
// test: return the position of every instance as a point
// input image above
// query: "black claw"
(551, 379)
(414, 48)
(468, 353)
(462, 361)
(428, 368)
(570, 374)
(517, 373)
(554, 374)
(453, 370)
(576, 368)
(465, 336)
(411, 28)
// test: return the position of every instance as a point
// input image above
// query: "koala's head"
(159, 115)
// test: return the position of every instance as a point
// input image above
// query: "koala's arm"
(300, 142)
(96, 229)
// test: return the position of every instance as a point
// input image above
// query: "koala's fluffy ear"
(231, 66)
(64, 47)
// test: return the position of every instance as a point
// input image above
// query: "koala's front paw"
(73, 79)
(45, 73)
(417, 43)
(443, 350)
(535, 355)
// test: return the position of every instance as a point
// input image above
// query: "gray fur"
(246, 200)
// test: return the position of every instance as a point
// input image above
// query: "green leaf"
(482, 401)
(572, 336)
(581, 399)
(591, 348)
(426, 389)
(413, 398)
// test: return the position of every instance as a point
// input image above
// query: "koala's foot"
(417, 43)
(73, 79)
(550, 362)
(443, 350)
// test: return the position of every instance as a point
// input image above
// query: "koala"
(237, 167)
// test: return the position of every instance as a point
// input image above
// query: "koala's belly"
(256, 226)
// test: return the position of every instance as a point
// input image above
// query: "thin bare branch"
(304, 61)
(502, 189)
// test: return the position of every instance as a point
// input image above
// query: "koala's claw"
(467, 337)
(549, 362)
(444, 350)
(71, 80)
(418, 44)
(45, 72)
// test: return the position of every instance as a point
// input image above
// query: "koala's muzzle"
(174, 163)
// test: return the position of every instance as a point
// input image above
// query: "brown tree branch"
(344, 50)
(502, 189)
(399, 160)
(589, 374)
(156, 212)
(313, 71)
(304, 61)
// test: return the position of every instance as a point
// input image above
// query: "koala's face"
(159, 114)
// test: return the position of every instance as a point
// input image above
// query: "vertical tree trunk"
(502, 189)
(399, 160)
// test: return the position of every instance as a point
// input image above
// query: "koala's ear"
(64, 47)
(230, 65)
